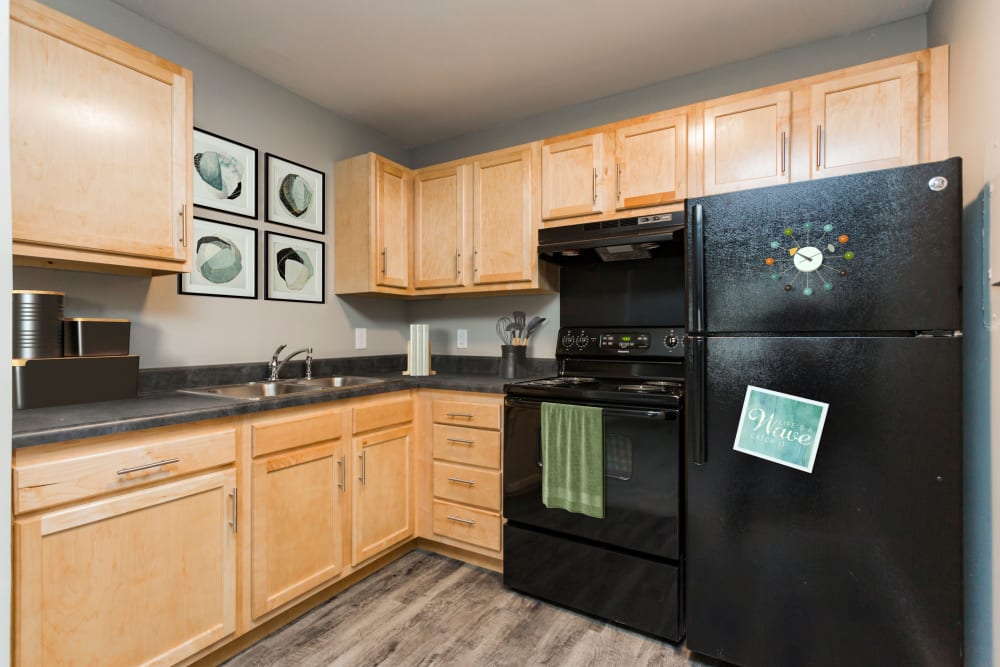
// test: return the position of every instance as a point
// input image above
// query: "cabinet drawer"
(465, 413)
(382, 414)
(462, 484)
(274, 436)
(467, 445)
(467, 525)
(118, 463)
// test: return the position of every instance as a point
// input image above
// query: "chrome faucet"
(274, 366)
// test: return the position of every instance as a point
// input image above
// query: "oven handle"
(660, 415)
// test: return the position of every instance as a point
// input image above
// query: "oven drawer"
(467, 525)
(467, 413)
(462, 484)
(466, 445)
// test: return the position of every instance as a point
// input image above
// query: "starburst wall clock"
(811, 263)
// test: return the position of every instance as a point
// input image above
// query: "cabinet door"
(439, 226)
(571, 177)
(296, 533)
(503, 229)
(99, 142)
(392, 229)
(89, 578)
(651, 162)
(866, 122)
(747, 143)
(383, 503)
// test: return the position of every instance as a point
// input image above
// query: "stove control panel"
(620, 342)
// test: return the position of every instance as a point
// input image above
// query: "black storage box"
(93, 337)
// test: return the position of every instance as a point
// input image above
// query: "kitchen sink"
(336, 381)
(254, 390)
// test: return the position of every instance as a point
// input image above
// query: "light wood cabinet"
(747, 142)
(382, 462)
(866, 121)
(504, 232)
(572, 176)
(298, 484)
(651, 161)
(372, 203)
(101, 136)
(439, 226)
(145, 577)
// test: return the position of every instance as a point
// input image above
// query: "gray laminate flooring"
(425, 609)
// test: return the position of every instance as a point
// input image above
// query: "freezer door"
(858, 562)
(878, 251)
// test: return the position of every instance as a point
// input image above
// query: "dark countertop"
(57, 424)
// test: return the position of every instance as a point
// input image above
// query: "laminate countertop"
(71, 422)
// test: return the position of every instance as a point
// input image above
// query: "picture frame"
(225, 261)
(296, 269)
(224, 175)
(295, 195)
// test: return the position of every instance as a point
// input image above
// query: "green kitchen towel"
(573, 458)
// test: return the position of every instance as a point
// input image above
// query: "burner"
(666, 384)
(562, 382)
(651, 387)
(577, 380)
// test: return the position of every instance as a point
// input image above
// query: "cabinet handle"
(819, 145)
(618, 183)
(458, 264)
(460, 414)
(147, 466)
(784, 148)
(184, 227)
(236, 509)
(470, 482)
(362, 457)
(343, 465)
(384, 260)
(595, 185)
(461, 520)
(461, 441)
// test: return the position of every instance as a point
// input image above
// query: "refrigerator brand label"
(780, 427)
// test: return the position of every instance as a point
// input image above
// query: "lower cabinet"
(298, 482)
(146, 577)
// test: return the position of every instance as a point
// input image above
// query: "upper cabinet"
(101, 137)
(439, 226)
(651, 161)
(503, 210)
(867, 121)
(747, 142)
(572, 174)
(371, 220)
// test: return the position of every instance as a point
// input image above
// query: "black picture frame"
(279, 208)
(276, 285)
(205, 194)
(198, 284)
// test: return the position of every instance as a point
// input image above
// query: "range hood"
(612, 240)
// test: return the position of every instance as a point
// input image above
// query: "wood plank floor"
(426, 609)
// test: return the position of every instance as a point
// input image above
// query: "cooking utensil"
(503, 329)
(532, 325)
(518, 324)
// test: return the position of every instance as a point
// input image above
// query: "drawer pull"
(470, 482)
(464, 415)
(125, 471)
(461, 441)
(461, 520)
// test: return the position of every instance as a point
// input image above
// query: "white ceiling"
(426, 70)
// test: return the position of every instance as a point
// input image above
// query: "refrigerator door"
(878, 251)
(858, 562)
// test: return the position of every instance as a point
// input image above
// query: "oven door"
(641, 485)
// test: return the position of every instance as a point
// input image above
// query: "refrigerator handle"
(696, 272)
(694, 398)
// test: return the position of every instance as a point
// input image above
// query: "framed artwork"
(294, 269)
(294, 194)
(225, 262)
(225, 175)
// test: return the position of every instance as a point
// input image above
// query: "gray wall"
(970, 27)
(170, 329)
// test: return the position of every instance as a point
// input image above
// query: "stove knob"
(582, 340)
(671, 340)
(567, 340)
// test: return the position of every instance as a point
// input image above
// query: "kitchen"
(163, 332)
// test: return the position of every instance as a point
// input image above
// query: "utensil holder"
(513, 362)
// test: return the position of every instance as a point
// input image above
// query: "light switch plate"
(463, 339)
(360, 338)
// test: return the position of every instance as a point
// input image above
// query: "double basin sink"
(254, 391)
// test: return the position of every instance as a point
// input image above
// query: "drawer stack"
(466, 472)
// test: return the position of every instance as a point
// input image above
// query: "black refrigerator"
(832, 536)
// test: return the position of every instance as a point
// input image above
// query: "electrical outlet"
(360, 338)
(463, 339)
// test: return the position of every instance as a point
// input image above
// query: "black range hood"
(641, 237)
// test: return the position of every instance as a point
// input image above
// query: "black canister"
(37, 319)
(513, 361)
